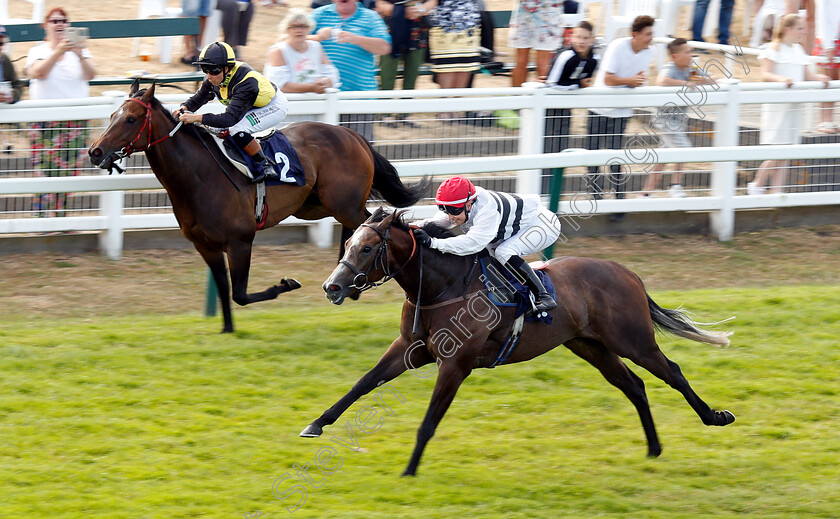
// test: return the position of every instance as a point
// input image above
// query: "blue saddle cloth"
(504, 289)
(288, 166)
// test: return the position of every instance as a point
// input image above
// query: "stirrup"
(266, 172)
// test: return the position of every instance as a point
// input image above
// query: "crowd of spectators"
(361, 45)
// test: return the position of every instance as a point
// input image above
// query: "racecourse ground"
(157, 416)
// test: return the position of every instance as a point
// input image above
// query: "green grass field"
(158, 417)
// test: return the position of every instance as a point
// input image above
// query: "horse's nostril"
(333, 288)
(96, 152)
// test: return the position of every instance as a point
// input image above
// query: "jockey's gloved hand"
(422, 237)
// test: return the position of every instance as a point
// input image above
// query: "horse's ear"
(134, 87)
(150, 92)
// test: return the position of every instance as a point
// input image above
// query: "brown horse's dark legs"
(346, 233)
(216, 261)
(239, 260)
(670, 372)
(391, 365)
(618, 374)
(449, 380)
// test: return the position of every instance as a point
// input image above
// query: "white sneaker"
(753, 189)
(676, 191)
(643, 195)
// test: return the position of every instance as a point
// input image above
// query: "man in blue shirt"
(351, 36)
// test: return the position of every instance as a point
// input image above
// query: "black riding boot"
(265, 166)
(543, 301)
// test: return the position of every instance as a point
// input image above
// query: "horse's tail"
(680, 324)
(388, 186)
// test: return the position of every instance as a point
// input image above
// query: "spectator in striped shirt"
(509, 226)
(352, 36)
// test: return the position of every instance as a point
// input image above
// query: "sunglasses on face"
(299, 26)
(454, 211)
(211, 70)
(57, 21)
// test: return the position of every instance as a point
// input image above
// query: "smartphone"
(77, 35)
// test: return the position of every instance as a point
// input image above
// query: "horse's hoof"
(654, 453)
(227, 330)
(409, 474)
(311, 431)
(290, 284)
(726, 417)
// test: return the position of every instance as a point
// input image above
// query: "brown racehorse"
(214, 203)
(604, 314)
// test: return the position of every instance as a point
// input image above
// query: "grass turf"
(156, 416)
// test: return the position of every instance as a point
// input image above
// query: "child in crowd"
(672, 127)
(573, 68)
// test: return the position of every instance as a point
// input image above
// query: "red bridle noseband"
(147, 121)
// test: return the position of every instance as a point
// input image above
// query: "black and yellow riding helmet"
(217, 53)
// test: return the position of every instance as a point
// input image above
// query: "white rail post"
(531, 136)
(111, 207)
(725, 174)
(331, 114)
(321, 234)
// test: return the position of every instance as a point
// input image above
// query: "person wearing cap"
(7, 69)
(510, 226)
(253, 103)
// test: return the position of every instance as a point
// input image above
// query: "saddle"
(504, 289)
(276, 146)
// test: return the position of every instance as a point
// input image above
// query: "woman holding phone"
(58, 69)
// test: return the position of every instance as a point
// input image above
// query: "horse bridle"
(361, 282)
(129, 148)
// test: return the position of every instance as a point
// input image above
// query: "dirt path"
(173, 281)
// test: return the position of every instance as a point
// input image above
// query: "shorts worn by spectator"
(534, 24)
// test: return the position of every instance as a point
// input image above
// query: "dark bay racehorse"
(214, 203)
(604, 314)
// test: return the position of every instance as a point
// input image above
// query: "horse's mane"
(432, 229)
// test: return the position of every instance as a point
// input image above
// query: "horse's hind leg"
(239, 261)
(657, 363)
(216, 261)
(393, 363)
(618, 374)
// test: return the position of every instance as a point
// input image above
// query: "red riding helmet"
(455, 191)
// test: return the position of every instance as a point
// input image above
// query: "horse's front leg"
(450, 377)
(399, 357)
(239, 261)
(215, 259)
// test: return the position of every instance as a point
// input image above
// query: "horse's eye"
(366, 248)
(130, 119)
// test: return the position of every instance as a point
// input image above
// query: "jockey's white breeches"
(264, 117)
(542, 232)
